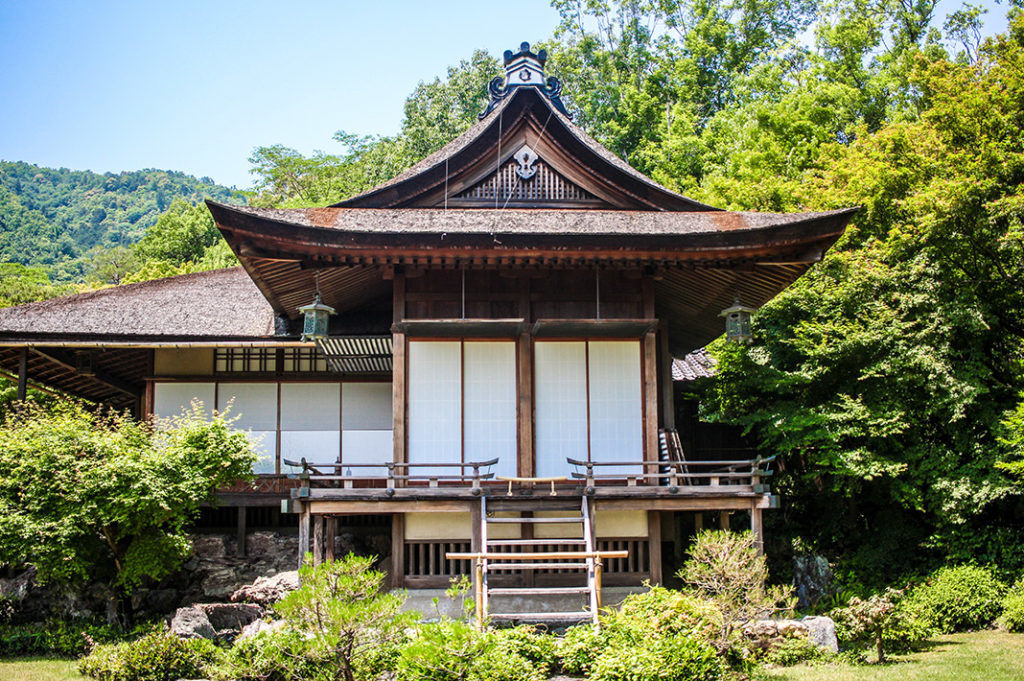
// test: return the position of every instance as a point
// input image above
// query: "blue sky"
(195, 86)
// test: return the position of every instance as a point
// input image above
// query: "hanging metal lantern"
(737, 322)
(316, 316)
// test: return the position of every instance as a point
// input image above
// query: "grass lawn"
(39, 669)
(981, 656)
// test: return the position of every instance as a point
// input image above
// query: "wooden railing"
(674, 474)
(398, 474)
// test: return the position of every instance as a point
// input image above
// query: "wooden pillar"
(397, 551)
(303, 533)
(524, 415)
(318, 539)
(757, 527)
(241, 531)
(23, 374)
(665, 384)
(330, 533)
(399, 372)
(698, 522)
(650, 399)
(654, 545)
(723, 520)
(526, 464)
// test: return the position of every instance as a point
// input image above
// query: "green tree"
(88, 495)
(881, 377)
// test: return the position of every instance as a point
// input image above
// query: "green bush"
(1012, 618)
(794, 650)
(279, 655)
(662, 612)
(64, 638)
(450, 650)
(957, 598)
(579, 649)
(440, 651)
(159, 656)
(671, 658)
(526, 641)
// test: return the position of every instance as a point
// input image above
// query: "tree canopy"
(93, 495)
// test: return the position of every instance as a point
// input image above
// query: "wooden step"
(539, 591)
(535, 542)
(575, 616)
(577, 519)
(491, 567)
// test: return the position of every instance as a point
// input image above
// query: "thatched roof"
(221, 304)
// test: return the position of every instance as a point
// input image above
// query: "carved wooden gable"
(526, 180)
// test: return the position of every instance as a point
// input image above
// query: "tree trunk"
(881, 652)
(127, 611)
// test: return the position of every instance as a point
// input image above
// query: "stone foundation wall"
(212, 574)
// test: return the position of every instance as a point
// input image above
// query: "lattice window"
(265, 361)
(546, 186)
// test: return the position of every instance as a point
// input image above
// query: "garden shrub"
(794, 650)
(159, 656)
(885, 622)
(727, 569)
(671, 658)
(440, 651)
(277, 655)
(1012, 618)
(526, 641)
(65, 638)
(958, 598)
(451, 650)
(345, 609)
(580, 648)
(663, 612)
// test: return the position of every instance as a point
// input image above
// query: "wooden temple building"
(497, 375)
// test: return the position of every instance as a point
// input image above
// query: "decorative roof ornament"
(524, 68)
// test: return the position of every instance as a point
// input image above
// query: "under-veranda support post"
(303, 534)
(757, 527)
(318, 539)
(723, 520)
(23, 374)
(240, 550)
(330, 532)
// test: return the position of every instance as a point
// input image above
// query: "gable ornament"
(525, 69)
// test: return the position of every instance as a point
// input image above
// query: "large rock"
(822, 632)
(231, 616)
(192, 622)
(257, 626)
(267, 590)
(812, 579)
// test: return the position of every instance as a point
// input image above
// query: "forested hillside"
(59, 219)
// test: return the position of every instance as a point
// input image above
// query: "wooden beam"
(396, 507)
(23, 374)
(66, 361)
(676, 504)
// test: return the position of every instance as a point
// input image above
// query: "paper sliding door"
(462, 404)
